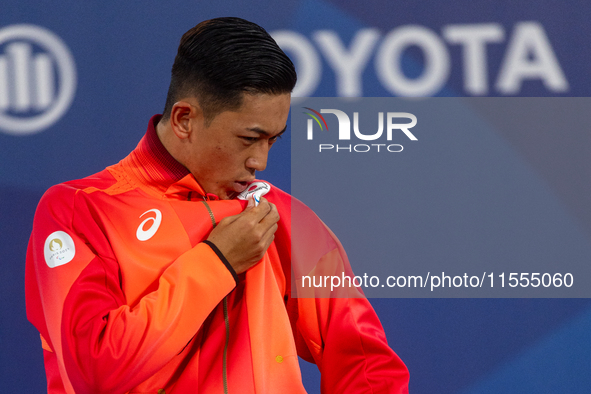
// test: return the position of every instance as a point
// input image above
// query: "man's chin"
(228, 194)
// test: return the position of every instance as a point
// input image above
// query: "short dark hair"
(221, 59)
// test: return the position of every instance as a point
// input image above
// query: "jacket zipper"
(226, 315)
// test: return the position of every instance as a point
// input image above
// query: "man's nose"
(258, 159)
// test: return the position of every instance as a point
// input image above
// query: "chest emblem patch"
(255, 189)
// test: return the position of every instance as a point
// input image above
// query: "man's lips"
(239, 187)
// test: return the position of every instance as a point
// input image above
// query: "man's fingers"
(270, 238)
(269, 221)
(272, 216)
(269, 208)
(244, 238)
(250, 204)
(229, 219)
(261, 211)
(270, 235)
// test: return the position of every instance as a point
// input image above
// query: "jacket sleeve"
(77, 304)
(337, 330)
(344, 338)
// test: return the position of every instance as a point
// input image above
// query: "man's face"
(225, 155)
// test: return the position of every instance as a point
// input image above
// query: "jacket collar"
(154, 169)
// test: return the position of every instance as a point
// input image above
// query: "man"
(153, 276)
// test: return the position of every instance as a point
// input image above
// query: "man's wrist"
(222, 258)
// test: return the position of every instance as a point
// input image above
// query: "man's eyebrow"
(266, 133)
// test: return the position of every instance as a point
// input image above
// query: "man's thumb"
(250, 204)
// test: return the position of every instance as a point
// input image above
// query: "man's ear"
(183, 115)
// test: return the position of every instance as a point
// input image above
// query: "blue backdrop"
(79, 81)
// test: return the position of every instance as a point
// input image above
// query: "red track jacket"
(129, 299)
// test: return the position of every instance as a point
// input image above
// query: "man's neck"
(168, 140)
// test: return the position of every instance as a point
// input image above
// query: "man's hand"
(243, 239)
